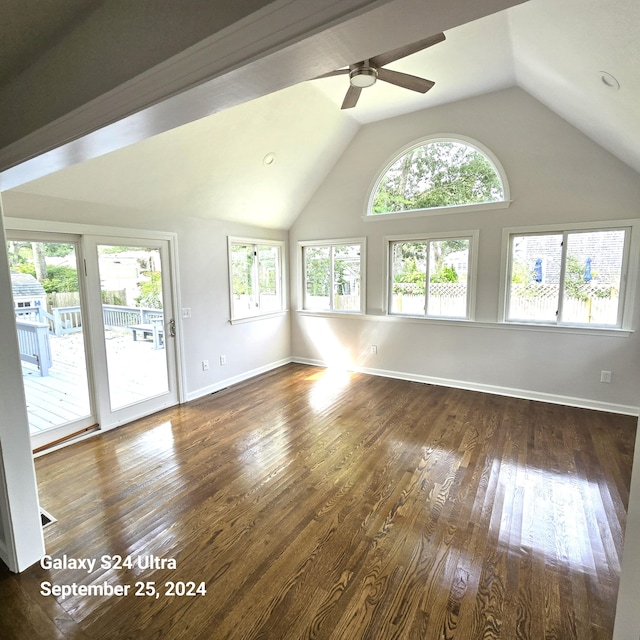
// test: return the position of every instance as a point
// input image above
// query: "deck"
(63, 395)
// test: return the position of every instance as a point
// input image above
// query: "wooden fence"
(446, 299)
(595, 304)
(340, 303)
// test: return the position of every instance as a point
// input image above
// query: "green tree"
(318, 271)
(242, 269)
(410, 269)
(445, 274)
(521, 273)
(59, 279)
(57, 249)
(19, 253)
(574, 284)
(150, 291)
(438, 174)
(39, 261)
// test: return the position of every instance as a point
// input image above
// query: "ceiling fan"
(365, 73)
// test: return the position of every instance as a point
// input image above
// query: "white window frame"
(436, 211)
(280, 277)
(302, 270)
(628, 281)
(473, 236)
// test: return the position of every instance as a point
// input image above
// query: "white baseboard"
(227, 382)
(524, 394)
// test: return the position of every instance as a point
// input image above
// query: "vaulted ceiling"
(578, 57)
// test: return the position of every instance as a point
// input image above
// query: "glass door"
(132, 311)
(51, 326)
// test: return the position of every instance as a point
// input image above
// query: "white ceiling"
(560, 50)
(214, 167)
(475, 58)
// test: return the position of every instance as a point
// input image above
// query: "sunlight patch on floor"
(331, 351)
(554, 527)
(328, 387)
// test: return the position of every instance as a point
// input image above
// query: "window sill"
(510, 326)
(439, 211)
(568, 328)
(262, 316)
(331, 314)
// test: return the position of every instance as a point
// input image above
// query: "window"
(438, 174)
(255, 268)
(431, 277)
(333, 275)
(567, 277)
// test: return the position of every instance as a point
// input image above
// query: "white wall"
(556, 175)
(249, 347)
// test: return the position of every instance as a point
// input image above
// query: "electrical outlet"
(374, 348)
(205, 365)
(223, 360)
(605, 376)
(186, 312)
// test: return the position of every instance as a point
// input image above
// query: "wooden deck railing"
(33, 338)
(117, 317)
(66, 320)
(34, 325)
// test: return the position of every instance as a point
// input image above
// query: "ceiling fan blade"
(407, 50)
(351, 99)
(337, 72)
(405, 80)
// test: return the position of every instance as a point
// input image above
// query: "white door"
(49, 306)
(131, 308)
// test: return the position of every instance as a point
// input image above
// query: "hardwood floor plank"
(335, 506)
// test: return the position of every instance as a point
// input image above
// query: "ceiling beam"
(280, 44)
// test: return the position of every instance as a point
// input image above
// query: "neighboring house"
(124, 271)
(27, 291)
(458, 260)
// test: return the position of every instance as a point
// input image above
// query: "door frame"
(33, 226)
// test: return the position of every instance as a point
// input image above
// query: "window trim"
(436, 211)
(629, 276)
(281, 244)
(472, 274)
(302, 244)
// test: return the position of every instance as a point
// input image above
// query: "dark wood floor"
(338, 506)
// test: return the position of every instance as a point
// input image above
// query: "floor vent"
(46, 518)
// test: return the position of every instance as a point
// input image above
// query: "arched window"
(439, 173)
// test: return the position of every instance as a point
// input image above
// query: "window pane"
(437, 174)
(244, 302)
(317, 271)
(592, 277)
(268, 279)
(409, 278)
(535, 277)
(346, 277)
(448, 270)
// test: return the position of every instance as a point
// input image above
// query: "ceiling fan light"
(363, 77)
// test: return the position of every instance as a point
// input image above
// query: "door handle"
(172, 328)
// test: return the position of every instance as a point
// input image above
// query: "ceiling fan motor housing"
(362, 77)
